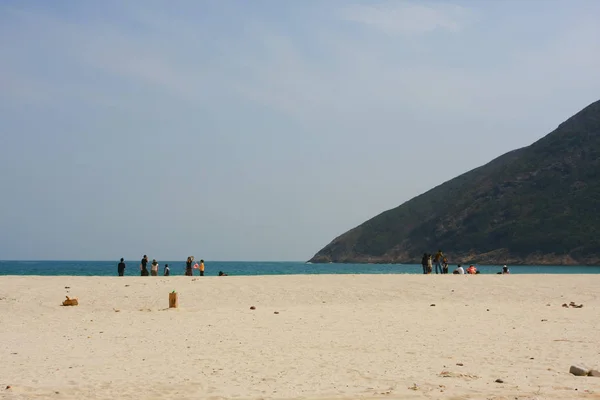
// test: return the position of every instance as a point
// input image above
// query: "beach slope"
(310, 337)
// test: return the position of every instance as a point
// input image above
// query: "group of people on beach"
(166, 270)
(441, 265)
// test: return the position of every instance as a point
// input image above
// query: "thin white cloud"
(406, 18)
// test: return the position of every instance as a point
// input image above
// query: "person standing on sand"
(429, 264)
(188, 266)
(154, 268)
(424, 263)
(143, 264)
(121, 268)
(167, 271)
(438, 262)
(445, 265)
(201, 267)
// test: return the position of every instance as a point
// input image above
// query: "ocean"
(109, 268)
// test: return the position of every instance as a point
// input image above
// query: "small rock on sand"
(578, 370)
(499, 381)
(253, 308)
(432, 305)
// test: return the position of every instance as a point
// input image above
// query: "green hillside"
(535, 205)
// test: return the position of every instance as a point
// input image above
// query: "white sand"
(353, 336)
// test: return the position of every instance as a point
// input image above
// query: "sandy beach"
(310, 337)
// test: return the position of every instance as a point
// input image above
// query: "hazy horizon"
(238, 131)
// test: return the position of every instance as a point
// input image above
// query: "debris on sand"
(572, 305)
(70, 302)
(579, 370)
(448, 374)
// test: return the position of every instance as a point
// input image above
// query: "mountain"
(536, 205)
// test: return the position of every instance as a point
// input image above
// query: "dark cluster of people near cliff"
(441, 265)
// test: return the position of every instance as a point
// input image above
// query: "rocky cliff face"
(535, 205)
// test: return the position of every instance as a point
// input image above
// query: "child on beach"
(154, 268)
(167, 271)
(201, 267)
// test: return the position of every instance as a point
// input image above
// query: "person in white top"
(154, 268)
(460, 270)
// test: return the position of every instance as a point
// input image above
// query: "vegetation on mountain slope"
(536, 205)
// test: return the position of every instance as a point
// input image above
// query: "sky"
(261, 130)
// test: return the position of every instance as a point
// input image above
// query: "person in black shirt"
(143, 269)
(424, 263)
(188, 266)
(121, 268)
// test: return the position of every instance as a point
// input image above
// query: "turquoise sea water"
(109, 268)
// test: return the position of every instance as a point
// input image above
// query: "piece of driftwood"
(70, 302)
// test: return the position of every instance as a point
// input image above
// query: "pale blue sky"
(260, 130)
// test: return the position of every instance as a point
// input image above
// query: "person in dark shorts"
(143, 266)
(188, 266)
(424, 263)
(121, 268)
(167, 271)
